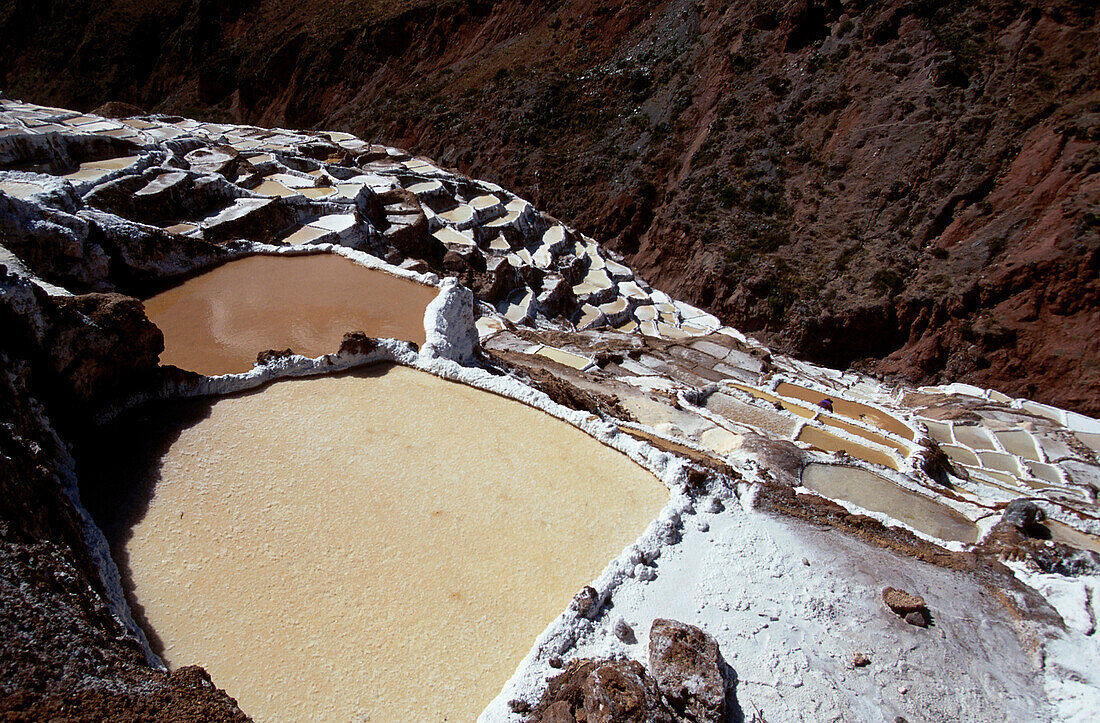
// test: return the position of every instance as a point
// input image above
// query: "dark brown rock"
(270, 355)
(616, 693)
(586, 602)
(609, 691)
(356, 342)
(103, 345)
(687, 666)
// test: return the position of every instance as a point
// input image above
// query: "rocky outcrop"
(684, 683)
(687, 666)
(88, 348)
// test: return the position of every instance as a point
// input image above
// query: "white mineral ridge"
(449, 325)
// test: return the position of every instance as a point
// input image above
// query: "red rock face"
(907, 187)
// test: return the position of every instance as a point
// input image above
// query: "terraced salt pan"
(878, 494)
(217, 322)
(321, 544)
(1067, 535)
(827, 442)
(20, 189)
(853, 410)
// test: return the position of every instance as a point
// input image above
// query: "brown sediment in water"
(853, 410)
(850, 428)
(384, 544)
(872, 492)
(217, 322)
(826, 442)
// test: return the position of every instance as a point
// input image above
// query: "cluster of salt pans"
(701, 387)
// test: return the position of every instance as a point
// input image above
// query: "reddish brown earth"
(910, 187)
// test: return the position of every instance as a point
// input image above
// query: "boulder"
(1023, 514)
(102, 345)
(617, 693)
(902, 602)
(607, 691)
(687, 666)
(908, 606)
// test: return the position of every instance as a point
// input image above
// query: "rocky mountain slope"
(907, 186)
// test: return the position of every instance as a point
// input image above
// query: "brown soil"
(906, 186)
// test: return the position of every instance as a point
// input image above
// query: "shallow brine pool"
(382, 545)
(218, 321)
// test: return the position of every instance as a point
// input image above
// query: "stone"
(908, 606)
(270, 355)
(917, 618)
(624, 632)
(356, 342)
(619, 691)
(902, 602)
(616, 693)
(559, 712)
(517, 705)
(1023, 513)
(586, 603)
(859, 660)
(102, 344)
(686, 663)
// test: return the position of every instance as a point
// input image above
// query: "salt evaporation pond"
(383, 543)
(873, 492)
(217, 322)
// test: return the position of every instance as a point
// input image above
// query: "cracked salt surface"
(319, 543)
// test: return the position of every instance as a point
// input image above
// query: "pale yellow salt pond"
(217, 322)
(382, 544)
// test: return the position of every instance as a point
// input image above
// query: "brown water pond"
(828, 442)
(217, 322)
